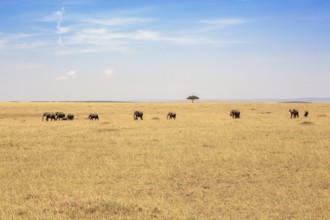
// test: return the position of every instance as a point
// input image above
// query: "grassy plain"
(203, 165)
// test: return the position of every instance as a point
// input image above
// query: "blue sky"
(163, 50)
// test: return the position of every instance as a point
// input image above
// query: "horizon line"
(281, 100)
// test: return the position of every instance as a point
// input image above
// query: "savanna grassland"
(203, 165)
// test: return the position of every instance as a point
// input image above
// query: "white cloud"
(94, 40)
(19, 41)
(147, 35)
(63, 30)
(96, 36)
(101, 33)
(108, 73)
(59, 30)
(8, 45)
(119, 21)
(157, 36)
(89, 50)
(59, 17)
(221, 23)
(69, 75)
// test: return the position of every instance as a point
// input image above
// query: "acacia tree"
(192, 98)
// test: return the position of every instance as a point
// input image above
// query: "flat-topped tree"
(192, 98)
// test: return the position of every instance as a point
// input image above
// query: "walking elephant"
(171, 115)
(49, 115)
(294, 113)
(137, 115)
(235, 114)
(93, 116)
(59, 115)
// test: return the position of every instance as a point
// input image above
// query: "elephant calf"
(70, 117)
(306, 114)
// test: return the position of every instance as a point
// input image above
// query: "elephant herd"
(57, 116)
(138, 114)
(235, 114)
(294, 113)
(61, 116)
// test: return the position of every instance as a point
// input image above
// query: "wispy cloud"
(100, 36)
(222, 23)
(59, 30)
(146, 35)
(90, 50)
(104, 33)
(119, 21)
(59, 17)
(103, 36)
(69, 75)
(104, 40)
(108, 73)
(63, 30)
(20, 41)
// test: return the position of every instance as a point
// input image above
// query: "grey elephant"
(93, 116)
(235, 114)
(306, 114)
(137, 115)
(59, 115)
(171, 115)
(49, 115)
(70, 117)
(294, 113)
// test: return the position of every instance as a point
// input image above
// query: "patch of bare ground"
(307, 123)
(92, 209)
(208, 145)
(322, 115)
(107, 130)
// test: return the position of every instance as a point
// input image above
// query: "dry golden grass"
(204, 165)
